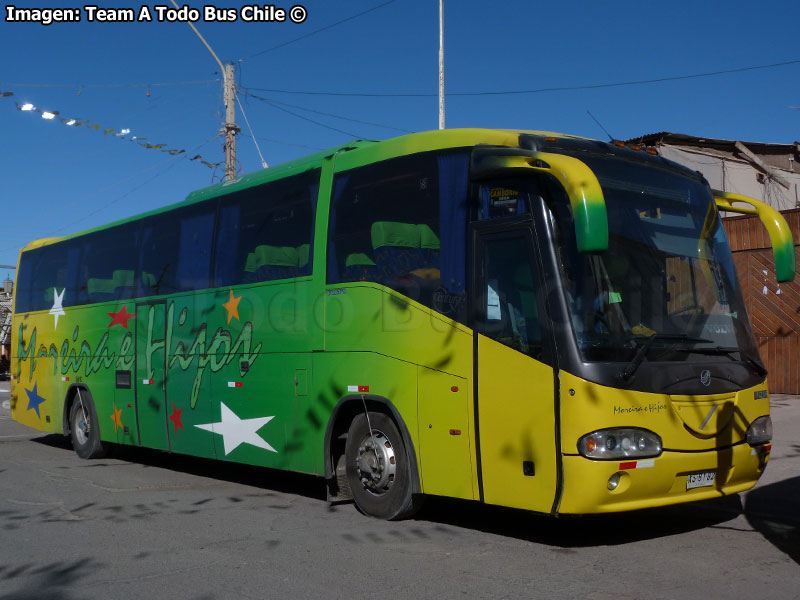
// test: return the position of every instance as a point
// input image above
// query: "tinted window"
(158, 257)
(402, 223)
(108, 264)
(48, 274)
(175, 252)
(194, 249)
(266, 232)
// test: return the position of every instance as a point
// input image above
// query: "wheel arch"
(336, 434)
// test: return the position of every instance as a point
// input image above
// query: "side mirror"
(780, 234)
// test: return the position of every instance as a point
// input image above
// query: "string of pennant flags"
(123, 134)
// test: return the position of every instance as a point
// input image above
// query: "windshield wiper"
(626, 374)
(728, 351)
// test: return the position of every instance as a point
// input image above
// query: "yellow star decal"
(232, 306)
(117, 417)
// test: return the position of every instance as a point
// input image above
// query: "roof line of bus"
(406, 144)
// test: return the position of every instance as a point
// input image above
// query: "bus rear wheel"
(83, 429)
(378, 469)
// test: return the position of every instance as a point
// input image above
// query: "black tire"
(83, 428)
(380, 480)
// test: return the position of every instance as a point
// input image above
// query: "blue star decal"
(34, 400)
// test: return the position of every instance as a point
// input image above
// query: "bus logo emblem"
(705, 377)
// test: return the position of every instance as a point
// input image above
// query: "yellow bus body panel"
(517, 425)
(698, 433)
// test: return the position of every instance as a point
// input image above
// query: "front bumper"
(646, 483)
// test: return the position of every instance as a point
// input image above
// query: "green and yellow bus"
(519, 318)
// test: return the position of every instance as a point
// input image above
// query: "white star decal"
(236, 431)
(57, 309)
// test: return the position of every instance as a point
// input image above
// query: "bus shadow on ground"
(45, 582)
(275, 480)
(587, 530)
(773, 511)
(770, 509)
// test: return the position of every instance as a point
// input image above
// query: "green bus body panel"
(150, 381)
(252, 373)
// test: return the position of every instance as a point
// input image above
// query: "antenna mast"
(441, 64)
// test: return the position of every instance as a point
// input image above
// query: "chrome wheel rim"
(81, 429)
(376, 463)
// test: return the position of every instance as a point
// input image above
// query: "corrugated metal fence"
(774, 309)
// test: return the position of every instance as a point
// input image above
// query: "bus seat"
(359, 267)
(266, 262)
(149, 280)
(118, 286)
(399, 251)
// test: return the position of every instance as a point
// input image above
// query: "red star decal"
(175, 417)
(120, 317)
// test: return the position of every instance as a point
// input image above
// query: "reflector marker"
(637, 464)
(235, 384)
(65, 379)
(761, 450)
(148, 381)
(358, 388)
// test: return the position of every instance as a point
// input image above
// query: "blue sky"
(59, 179)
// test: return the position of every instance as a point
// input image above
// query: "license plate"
(704, 479)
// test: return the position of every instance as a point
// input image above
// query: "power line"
(294, 114)
(252, 135)
(282, 142)
(316, 31)
(319, 112)
(534, 91)
(64, 207)
(129, 192)
(122, 134)
(107, 85)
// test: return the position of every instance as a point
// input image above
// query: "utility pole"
(229, 96)
(441, 64)
(231, 129)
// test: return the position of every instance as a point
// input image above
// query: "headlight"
(760, 431)
(620, 442)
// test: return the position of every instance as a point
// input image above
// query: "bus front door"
(515, 384)
(150, 383)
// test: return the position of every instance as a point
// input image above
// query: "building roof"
(781, 156)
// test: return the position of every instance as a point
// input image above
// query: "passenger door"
(150, 383)
(515, 414)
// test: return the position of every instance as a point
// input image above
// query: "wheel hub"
(376, 463)
(81, 429)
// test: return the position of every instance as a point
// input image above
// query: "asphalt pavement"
(144, 524)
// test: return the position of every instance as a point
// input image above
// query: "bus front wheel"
(83, 429)
(378, 470)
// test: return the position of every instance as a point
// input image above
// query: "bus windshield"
(667, 278)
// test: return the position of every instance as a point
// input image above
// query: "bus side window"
(108, 264)
(158, 256)
(51, 275)
(266, 233)
(402, 223)
(193, 271)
